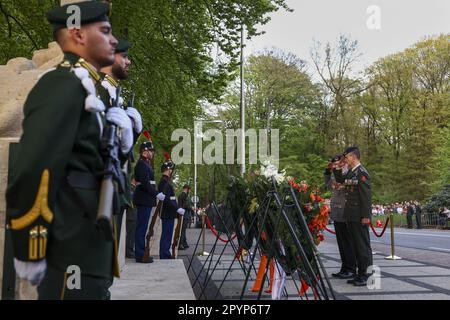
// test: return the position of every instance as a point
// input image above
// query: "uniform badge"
(363, 179)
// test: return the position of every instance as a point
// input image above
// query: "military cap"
(90, 12)
(147, 145)
(167, 165)
(122, 46)
(350, 150)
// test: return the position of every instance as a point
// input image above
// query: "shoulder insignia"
(363, 179)
(65, 64)
(92, 72)
(111, 81)
(40, 206)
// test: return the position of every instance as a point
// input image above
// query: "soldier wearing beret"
(170, 209)
(111, 77)
(53, 194)
(357, 211)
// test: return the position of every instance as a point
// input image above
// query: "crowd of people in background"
(396, 208)
(410, 209)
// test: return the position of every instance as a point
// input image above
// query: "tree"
(279, 94)
(334, 66)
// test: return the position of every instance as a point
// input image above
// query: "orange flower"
(304, 288)
(313, 198)
(324, 211)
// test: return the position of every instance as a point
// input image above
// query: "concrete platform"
(160, 280)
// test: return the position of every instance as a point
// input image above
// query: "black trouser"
(360, 240)
(419, 220)
(55, 287)
(131, 228)
(186, 220)
(346, 251)
(409, 220)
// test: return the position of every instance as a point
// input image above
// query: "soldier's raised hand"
(120, 118)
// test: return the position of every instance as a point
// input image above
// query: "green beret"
(122, 46)
(91, 11)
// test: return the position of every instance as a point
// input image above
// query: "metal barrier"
(434, 220)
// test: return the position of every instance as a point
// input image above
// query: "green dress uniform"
(358, 205)
(53, 194)
(107, 90)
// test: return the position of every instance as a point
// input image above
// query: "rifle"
(176, 236)
(113, 178)
(151, 227)
(151, 232)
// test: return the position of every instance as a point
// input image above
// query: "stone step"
(160, 280)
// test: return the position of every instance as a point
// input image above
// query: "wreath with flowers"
(275, 236)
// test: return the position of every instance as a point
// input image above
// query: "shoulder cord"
(92, 102)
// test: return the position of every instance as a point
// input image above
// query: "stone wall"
(17, 78)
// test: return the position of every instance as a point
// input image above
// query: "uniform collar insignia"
(66, 64)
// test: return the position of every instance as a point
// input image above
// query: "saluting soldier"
(343, 238)
(170, 209)
(357, 211)
(53, 195)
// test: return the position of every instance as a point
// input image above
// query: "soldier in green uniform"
(53, 194)
(357, 211)
(111, 77)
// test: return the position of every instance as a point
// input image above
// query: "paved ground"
(424, 272)
(162, 279)
(426, 239)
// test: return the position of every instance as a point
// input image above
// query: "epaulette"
(363, 170)
(111, 81)
(92, 72)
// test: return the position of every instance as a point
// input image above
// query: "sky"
(402, 23)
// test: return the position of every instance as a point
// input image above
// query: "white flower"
(269, 171)
(281, 177)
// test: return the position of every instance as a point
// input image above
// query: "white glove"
(181, 211)
(120, 118)
(161, 196)
(135, 118)
(31, 271)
